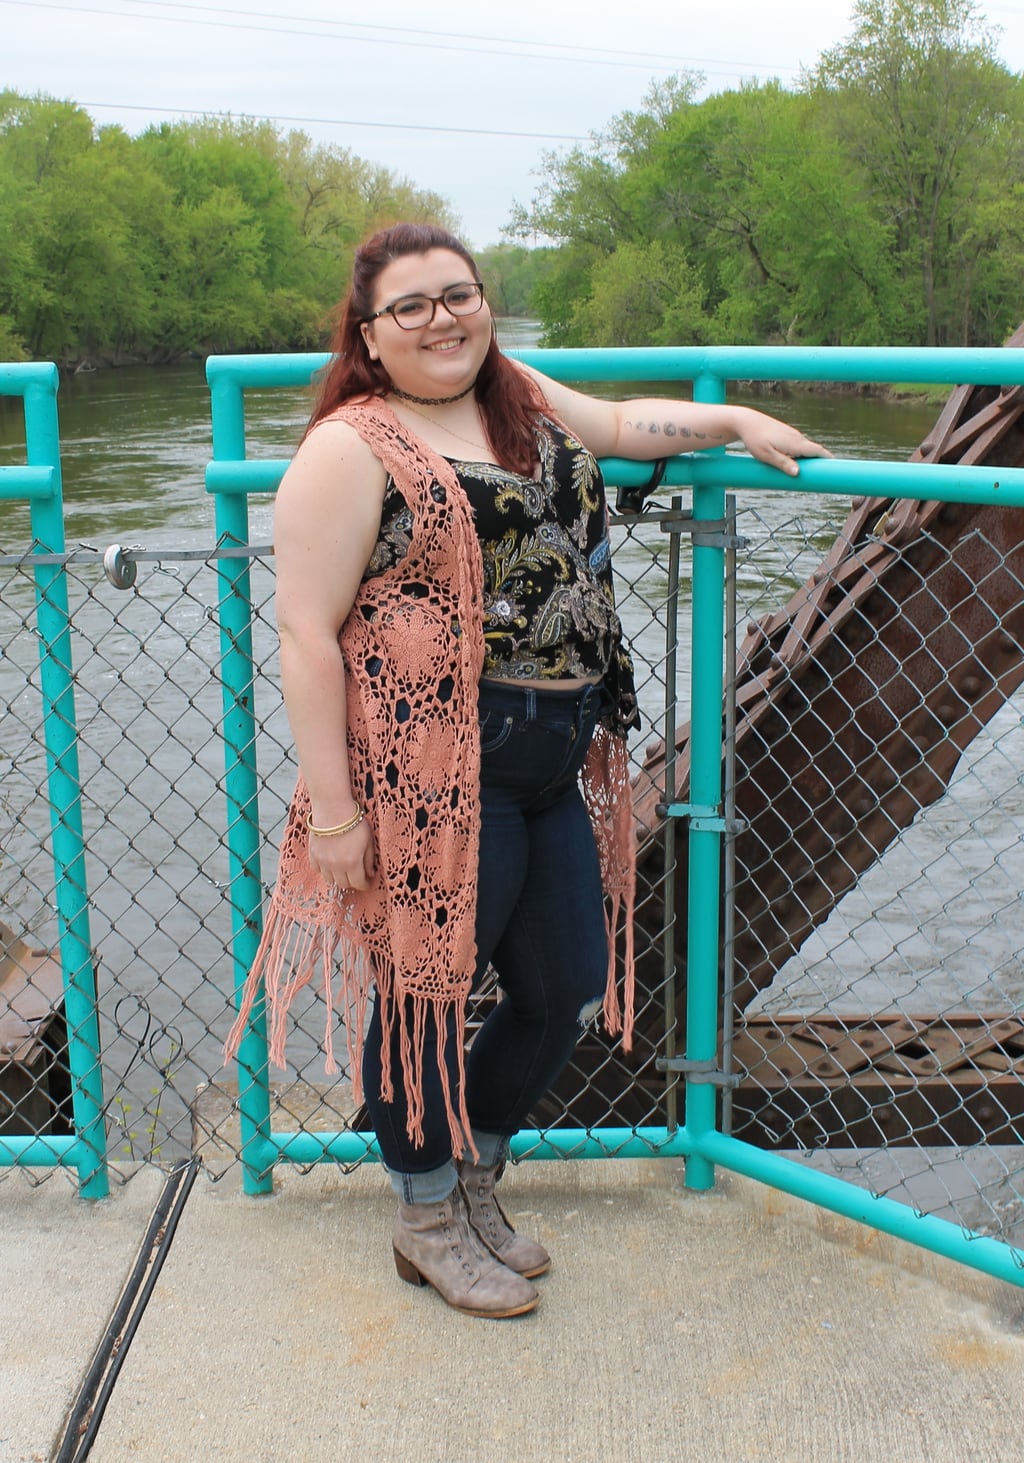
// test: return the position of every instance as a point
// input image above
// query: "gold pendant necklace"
(478, 446)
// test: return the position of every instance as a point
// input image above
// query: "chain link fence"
(872, 964)
(146, 658)
(879, 973)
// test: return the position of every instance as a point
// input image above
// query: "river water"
(935, 926)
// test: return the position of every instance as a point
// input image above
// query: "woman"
(452, 666)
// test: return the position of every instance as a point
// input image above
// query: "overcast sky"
(460, 99)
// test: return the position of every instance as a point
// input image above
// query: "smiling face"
(439, 359)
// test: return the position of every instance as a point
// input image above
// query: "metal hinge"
(703, 818)
(707, 1072)
(706, 533)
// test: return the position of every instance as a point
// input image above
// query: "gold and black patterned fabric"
(549, 607)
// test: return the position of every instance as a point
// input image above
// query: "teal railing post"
(240, 778)
(706, 813)
(42, 437)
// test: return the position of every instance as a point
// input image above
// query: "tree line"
(210, 235)
(879, 201)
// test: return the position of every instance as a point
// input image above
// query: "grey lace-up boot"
(490, 1224)
(434, 1245)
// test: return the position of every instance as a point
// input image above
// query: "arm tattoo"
(671, 430)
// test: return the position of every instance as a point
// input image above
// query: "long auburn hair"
(508, 400)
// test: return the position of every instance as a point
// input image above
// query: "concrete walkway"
(734, 1325)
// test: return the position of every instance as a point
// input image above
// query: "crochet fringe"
(290, 955)
(608, 796)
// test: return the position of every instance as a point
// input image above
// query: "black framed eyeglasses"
(412, 312)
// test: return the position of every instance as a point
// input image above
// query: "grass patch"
(931, 393)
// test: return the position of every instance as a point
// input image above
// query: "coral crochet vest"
(413, 649)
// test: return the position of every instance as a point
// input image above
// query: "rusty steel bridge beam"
(855, 703)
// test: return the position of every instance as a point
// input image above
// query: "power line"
(646, 58)
(336, 122)
(533, 50)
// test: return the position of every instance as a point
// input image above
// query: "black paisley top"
(549, 608)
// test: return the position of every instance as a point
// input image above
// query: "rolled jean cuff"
(492, 1148)
(424, 1188)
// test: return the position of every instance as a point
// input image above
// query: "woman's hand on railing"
(774, 442)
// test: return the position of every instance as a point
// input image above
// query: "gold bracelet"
(341, 827)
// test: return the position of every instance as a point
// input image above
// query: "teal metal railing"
(39, 481)
(230, 477)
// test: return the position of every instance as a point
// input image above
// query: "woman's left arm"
(653, 428)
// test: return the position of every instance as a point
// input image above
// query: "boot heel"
(406, 1269)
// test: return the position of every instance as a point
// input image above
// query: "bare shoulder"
(333, 466)
(337, 442)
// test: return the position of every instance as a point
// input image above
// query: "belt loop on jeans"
(531, 703)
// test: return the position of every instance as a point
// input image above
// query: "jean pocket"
(495, 730)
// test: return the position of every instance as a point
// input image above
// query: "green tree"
(12, 347)
(926, 111)
(585, 202)
(40, 139)
(876, 204)
(231, 241)
(208, 235)
(765, 232)
(990, 259)
(794, 252)
(511, 274)
(642, 294)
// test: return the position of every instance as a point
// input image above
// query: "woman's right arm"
(326, 523)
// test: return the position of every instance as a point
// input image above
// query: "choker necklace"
(431, 400)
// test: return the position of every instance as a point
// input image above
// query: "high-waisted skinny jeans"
(540, 923)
